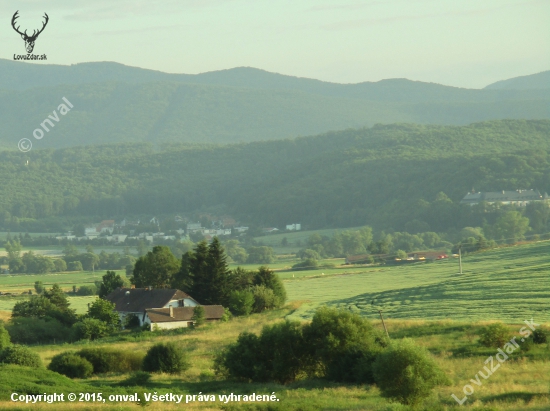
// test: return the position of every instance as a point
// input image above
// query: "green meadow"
(507, 284)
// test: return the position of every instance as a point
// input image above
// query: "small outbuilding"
(179, 317)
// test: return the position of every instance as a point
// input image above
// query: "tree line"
(204, 274)
(390, 177)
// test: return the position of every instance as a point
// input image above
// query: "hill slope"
(372, 176)
(115, 103)
(539, 81)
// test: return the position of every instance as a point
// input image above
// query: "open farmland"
(508, 284)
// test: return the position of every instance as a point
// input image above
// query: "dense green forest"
(118, 104)
(384, 176)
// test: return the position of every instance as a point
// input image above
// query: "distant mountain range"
(116, 103)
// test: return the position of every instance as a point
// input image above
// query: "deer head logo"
(29, 40)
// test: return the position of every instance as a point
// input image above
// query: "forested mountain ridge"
(385, 176)
(538, 81)
(114, 103)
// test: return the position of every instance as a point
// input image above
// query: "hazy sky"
(466, 43)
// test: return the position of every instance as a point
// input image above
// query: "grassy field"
(17, 283)
(520, 384)
(508, 284)
(295, 239)
(430, 302)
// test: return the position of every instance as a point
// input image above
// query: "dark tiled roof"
(162, 315)
(138, 299)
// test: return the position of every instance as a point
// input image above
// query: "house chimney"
(171, 312)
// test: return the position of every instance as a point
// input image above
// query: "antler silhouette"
(29, 40)
(15, 16)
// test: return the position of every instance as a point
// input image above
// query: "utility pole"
(383, 323)
(460, 258)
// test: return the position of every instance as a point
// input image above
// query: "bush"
(539, 336)
(344, 344)
(106, 360)
(278, 354)
(4, 337)
(37, 330)
(308, 264)
(87, 290)
(139, 378)
(199, 316)
(131, 321)
(407, 373)
(19, 355)
(241, 302)
(74, 266)
(90, 329)
(264, 298)
(104, 311)
(494, 335)
(71, 365)
(166, 358)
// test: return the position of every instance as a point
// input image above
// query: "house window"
(181, 303)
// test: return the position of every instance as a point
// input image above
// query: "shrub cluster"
(20, 355)
(71, 365)
(166, 358)
(338, 345)
(494, 335)
(406, 372)
(109, 360)
(88, 361)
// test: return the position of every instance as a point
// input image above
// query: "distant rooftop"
(518, 197)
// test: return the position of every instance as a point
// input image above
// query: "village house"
(134, 301)
(518, 197)
(179, 317)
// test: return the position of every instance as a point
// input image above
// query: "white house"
(294, 227)
(179, 317)
(134, 301)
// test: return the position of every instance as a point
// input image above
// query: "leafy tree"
(111, 281)
(270, 280)
(260, 255)
(511, 225)
(70, 251)
(199, 316)
(401, 254)
(39, 287)
(156, 268)
(37, 307)
(59, 265)
(89, 261)
(237, 253)
(13, 249)
(343, 344)
(264, 298)
(57, 297)
(90, 329)
(279, 354)
(241, 302)
(407, 373)
(104, 310)
(74, 266)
